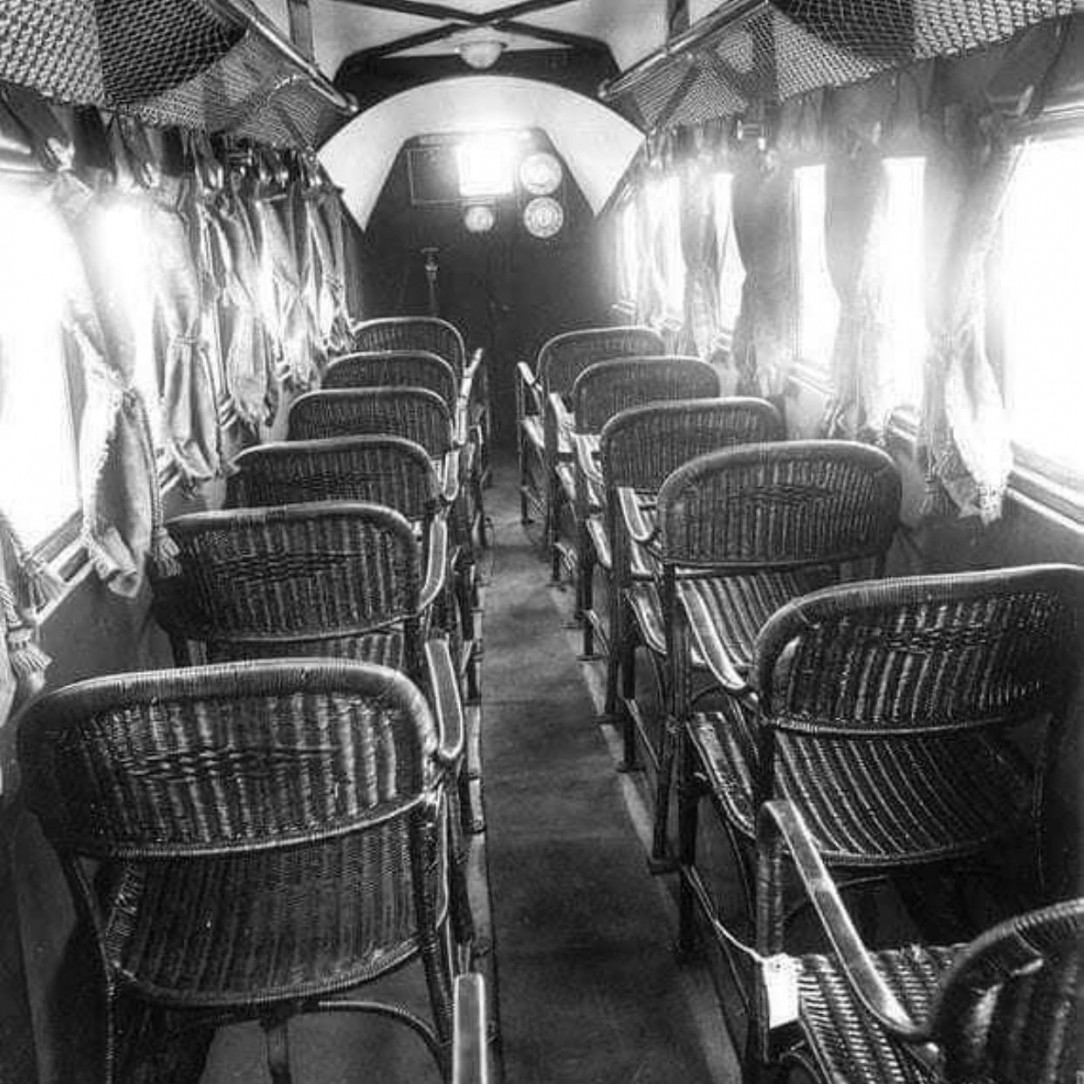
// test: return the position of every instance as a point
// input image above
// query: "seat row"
(283, 816)
(868, 726)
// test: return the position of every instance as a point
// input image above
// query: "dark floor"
(582, 974)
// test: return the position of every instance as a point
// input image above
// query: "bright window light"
(486, 164)
(39, 271)
(903, 271)
(818, 301)
(664, 208)
(1043, 252)
(126, 250)
(731, 268)
(905, 274)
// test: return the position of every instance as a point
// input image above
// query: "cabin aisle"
(589, 990)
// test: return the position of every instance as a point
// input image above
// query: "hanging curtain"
(964, 438)
(699, 249)
(764, 336)
(247, 360)
(332, 321)
(190, 416)
(856, 196)
(649, 299)
(285, 311)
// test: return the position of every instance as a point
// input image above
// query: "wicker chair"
(416, 414)
(395, 368)
(378, 469)
(742, 531)
(337, 578)
(541, 434)
(599, 392)
(251, 841)
(1006, 1007)
(891, 713)
(442, 338)
(638, 449)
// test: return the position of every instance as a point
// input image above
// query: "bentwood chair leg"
(688, 823)
(586, 591)
(615, 656)
(278, 1048)
(553, 526)
(660, 857)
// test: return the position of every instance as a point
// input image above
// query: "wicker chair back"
(784, 505)
(412, 333)
(264, 834)
(565, 356)
(394, 368)
(924, 654)
(641, 446)
(1009, 1008)
(607, 387)
(383, 470)
(416, 414)
(302, 579)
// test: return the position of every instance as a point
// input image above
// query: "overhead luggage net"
(758, 51)
(212, 65)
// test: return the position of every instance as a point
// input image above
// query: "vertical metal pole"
(431, 269)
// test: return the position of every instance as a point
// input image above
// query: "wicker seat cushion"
(643, 599)
(641, 566)
(566, 479)
(725, 613)
(295, 922)
(845, 1038)
(868, 801)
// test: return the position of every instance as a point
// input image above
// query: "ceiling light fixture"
(480, 52)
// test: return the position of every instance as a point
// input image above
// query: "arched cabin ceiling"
(342, 29)
(596, 144)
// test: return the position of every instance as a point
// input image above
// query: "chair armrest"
(640, 531)
(527, 388)
(449, 471)
(460, 421)
(447, 709)
(780, 828)
(474, 367)
(436, 565)
(470, 1049)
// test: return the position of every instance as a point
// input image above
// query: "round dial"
(479, 218)
(540, 173)
(543, 217)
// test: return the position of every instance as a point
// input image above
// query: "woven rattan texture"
(415, 414)
(785, 48)
(394, 368)
(921, 653)
(383, 470)
(412, 333)
(289, 804)
(790, 503)
(565, 356)
(1011, 1009)
(297, 575)
(607, 387)
(643, 446)
(208, 759)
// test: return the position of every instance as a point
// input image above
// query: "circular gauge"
(540, 173)
(543, 217)
(479, 218)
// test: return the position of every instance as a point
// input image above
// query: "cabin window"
(731, 268)
(818, 303)
(39, 273)
(1042, 329)
(127, 250)
(664, 207)
(486, 164)
(903, 275)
